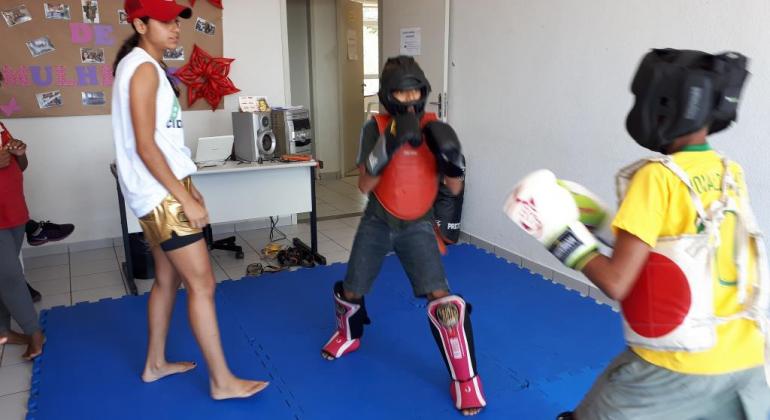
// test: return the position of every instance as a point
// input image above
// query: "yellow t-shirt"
(658, 204)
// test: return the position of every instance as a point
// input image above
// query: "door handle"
(440, 105)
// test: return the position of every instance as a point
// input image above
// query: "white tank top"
(141, 190)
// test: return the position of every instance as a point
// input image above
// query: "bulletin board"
(57, 56)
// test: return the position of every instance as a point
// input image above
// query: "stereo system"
(292, 130)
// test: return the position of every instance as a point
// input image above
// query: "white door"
(419, 28)
(350, 29)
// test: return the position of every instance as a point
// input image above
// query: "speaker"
(254, 137)
(266, 144)
(264, 121)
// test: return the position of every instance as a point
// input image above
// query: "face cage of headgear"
(403, 73)
(679, 92)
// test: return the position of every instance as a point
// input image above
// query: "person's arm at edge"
(616, 275)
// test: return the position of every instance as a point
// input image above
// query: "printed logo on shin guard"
(448, 315)
(341, 311)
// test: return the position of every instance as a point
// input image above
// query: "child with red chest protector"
(402, 156)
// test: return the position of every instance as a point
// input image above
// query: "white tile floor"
(339, 197)
(66, 279)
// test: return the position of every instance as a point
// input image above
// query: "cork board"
(57, 55)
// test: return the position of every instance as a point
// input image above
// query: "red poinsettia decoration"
(217, 3)
(206, 77)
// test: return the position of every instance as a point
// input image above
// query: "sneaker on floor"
(39, 233)
(36, 296)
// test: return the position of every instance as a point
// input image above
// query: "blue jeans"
(415, 245)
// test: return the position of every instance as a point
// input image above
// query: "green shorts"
(632, 388)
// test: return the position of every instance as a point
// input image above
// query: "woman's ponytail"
(126, 48)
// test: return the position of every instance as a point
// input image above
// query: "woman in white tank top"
(154, 167)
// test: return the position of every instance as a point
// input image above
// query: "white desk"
(241, 191)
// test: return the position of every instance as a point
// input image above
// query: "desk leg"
(313, 248)
(313, 218)
(128, 270)
(318, 258)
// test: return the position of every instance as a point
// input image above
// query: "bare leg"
(12, 337)
(35, 347)
(193, 265)
(159, 308)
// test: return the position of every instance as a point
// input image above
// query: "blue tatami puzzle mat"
(539, 348)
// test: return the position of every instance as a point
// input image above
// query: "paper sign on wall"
(411, 41)
(352, 45)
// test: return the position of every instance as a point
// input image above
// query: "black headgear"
(402, 73)
(679, 92)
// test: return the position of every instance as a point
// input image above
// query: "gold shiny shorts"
(167, 218)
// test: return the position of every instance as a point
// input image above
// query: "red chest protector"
(409, 183)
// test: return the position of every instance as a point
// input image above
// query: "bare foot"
(35, 347)
(13, 337)
(470, 411)
(3, 339)
(237, 388)
(153, 373)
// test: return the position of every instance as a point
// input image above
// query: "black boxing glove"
(443, 142)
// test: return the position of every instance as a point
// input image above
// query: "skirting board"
(70, 247)
(564, 278)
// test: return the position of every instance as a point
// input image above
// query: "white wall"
(545, 84)
(68, 178)
(323, 50)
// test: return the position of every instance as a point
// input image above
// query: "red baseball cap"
(161, 10)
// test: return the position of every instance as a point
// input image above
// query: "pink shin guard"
(451, 327)
(467, 394)
(351, 318)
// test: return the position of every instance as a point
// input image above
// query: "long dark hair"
(129, 44)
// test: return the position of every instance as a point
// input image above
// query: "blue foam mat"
(538, 348)
(94, 355)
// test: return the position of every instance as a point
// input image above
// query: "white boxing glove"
(547, 211)
(593, 212)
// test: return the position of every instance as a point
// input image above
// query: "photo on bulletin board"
(90, 10)
(57, 11)
(16, 15)
(58, 55)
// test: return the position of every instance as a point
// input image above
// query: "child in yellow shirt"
(688, 266)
